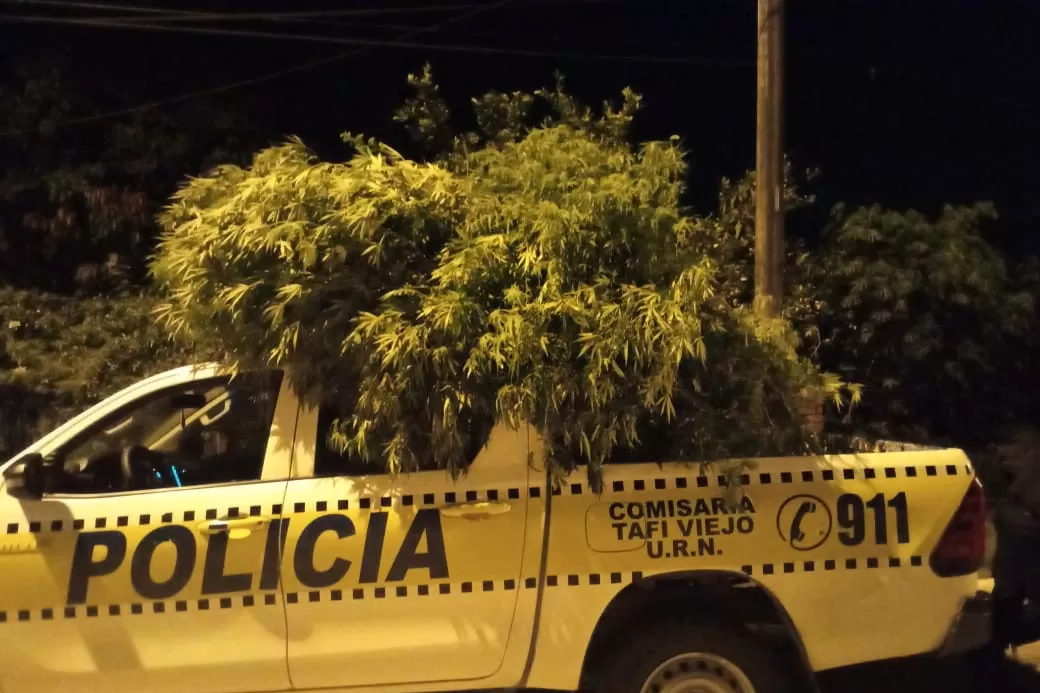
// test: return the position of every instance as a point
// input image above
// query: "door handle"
(234, 527)
(477, 510)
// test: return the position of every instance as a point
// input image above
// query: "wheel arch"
(712, 597)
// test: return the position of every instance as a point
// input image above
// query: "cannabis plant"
(538, 269)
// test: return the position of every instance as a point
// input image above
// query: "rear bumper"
(972, 629)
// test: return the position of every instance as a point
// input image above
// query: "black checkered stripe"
(442, 588)
(432, 590)
(333, 595)
(807, 476)
(136, 609)
(680, 483)
(277, 509)
(831, 564)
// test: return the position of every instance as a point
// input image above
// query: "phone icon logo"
(804, 522)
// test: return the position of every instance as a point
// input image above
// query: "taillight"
(962, 548)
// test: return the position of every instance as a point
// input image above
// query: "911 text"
(853, 521)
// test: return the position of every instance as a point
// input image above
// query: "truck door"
(406, 580)
(148, 565)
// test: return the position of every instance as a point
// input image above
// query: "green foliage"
(728, 236)
(928, 316)
(84, 348)
(540, 272)
(77, 217)
(59, 354)
(77, 204)
(935, 322)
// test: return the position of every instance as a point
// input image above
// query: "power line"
(548, 40)
(169, 14)
(386, 43)
(187, 96)
(402, 42)
(369, 28)
(303, 67)
(305, 17)
(173, 15)
(324, 17)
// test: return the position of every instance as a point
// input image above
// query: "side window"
(207, 432)
(330, 462)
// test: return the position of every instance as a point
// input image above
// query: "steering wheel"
(136, 462)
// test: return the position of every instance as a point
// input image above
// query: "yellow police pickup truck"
(194, 534)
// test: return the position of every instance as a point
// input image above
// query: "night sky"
(908, 103)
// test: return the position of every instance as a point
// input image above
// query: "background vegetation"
(450, 274)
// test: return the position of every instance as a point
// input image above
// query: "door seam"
(281, 544)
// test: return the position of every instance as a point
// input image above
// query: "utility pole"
(769, 158)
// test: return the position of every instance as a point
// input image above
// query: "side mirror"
(24, 478)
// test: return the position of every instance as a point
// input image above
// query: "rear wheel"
(693, 659)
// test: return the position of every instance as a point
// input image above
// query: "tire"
(721, 659)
